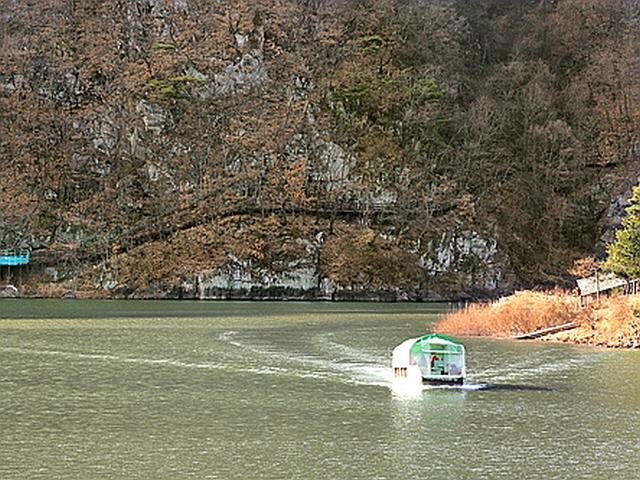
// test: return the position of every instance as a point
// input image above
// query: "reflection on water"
(245, 390)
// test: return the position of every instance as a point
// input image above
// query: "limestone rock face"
(239, 280)
(335, 166)
(90, 164)
(466, 259)
(11, 83)
(247, 71)
(9, 292)
(154, 117)
(299, 282)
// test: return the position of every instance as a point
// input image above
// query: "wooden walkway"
(547, 331)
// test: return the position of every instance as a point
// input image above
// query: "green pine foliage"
(624, 253)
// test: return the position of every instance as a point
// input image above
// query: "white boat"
(433, 359)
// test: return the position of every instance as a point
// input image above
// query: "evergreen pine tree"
(624, 253)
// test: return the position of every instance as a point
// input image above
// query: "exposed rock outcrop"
(9, 291)
(467, 261)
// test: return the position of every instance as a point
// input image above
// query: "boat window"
(443, 363)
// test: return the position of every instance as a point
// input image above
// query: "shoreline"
(614, 322)
(337, 294)
(549, 339)
(231, 300)
(593, 331)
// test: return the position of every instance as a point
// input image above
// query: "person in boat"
(434, 359)
(437, 367)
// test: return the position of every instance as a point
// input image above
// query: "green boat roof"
(436, 343)
(438, 336)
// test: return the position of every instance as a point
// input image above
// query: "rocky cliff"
(312, 149)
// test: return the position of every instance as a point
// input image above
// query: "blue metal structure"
(13, 258)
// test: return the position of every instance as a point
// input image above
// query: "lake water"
(172, 390)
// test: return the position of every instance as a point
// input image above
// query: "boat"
(432, 359)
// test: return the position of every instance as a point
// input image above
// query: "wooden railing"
(632, 287)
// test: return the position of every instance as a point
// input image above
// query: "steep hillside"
(311, 148)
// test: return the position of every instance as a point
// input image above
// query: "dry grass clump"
(519, 313)
(615, 322)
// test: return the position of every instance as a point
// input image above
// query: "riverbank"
(324, 293)
(613, 322)
(236, 285)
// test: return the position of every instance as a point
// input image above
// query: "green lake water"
(180, 390)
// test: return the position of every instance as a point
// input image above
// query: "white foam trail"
(322, 368)
(472, 387)
(93, 356)
(408, 390)
(228, 337)
(265, 370)
(527, 371)
(350, 352)
(403, 389)
(356, 366)
(355, 373)
(369, 375)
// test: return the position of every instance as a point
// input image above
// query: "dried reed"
(519, 313)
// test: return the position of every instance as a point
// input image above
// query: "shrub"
(517, 314)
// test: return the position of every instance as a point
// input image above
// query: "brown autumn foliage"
(585, 267)
(359, 256)
(138, 127)
(270, 244)
(614, 323)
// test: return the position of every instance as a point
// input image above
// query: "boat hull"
(439, 382)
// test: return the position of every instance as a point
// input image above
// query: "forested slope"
(301, 147)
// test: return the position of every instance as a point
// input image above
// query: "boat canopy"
(437, 356)
(436, 343)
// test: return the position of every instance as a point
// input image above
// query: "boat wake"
(534, 367)
(322, 357)
(348, 364)
(167, 362)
